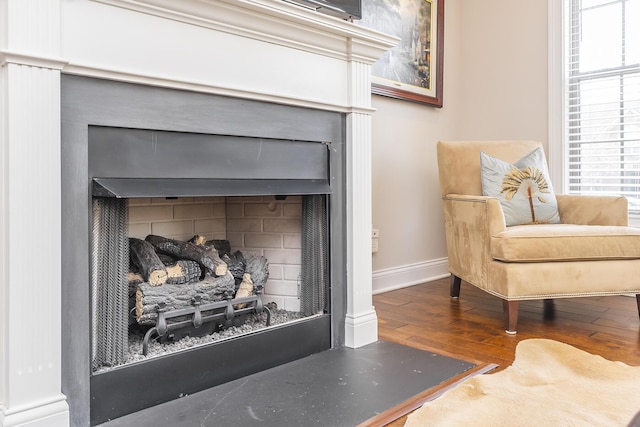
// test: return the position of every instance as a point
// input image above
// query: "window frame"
(557, 84)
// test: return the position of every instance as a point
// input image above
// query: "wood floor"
(471, 328)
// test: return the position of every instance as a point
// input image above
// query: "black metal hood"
(178, 187)
(129, 163)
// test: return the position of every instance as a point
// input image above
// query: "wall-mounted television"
(345, 9)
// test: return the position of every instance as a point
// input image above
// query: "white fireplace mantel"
(265, 50)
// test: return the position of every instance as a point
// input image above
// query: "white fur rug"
(549, 384)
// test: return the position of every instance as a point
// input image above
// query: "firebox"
(238, 182)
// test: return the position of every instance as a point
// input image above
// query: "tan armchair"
(592, 252)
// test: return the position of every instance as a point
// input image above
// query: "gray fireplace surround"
(292, 150)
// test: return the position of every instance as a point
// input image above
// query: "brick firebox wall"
(262, 225)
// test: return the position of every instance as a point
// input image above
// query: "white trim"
(361, 328)
(204, 87)
(361, 325)
(408, 275)
(30, 390)
(556, 95)
(273, 21)
(51, 412)
(30, 59)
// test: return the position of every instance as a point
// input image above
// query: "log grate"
(219, 314)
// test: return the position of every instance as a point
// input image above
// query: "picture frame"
(413, 69)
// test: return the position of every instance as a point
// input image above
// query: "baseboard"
(361, 329)
(408, 275)
(49, 412)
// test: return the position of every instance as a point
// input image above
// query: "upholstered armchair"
(580, 246)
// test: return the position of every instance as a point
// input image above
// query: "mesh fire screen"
(109, 287)
(315, 276)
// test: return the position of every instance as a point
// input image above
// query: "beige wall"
(495, 87)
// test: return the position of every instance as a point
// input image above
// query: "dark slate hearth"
(338, 387)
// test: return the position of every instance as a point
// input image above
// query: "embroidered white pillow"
(523, 188)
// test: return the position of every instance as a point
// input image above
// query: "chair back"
(459, 162)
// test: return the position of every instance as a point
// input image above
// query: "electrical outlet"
(375, 233)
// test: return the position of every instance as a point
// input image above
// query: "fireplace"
(249, 165)
(228, 68)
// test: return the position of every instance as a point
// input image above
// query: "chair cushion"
(565, 242)
(523, 188)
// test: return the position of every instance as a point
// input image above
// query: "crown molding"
(29, 59)
(272, 21)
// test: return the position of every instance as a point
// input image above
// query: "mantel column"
(30, 308)
(361, 323)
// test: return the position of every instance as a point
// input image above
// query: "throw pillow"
(523, 188)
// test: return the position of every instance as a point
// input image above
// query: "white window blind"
(602, 99)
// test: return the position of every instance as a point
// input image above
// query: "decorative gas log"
(144, 257)
(183, 271)
(166, 259)
(258, 268)
(191, 298)
(256, 273)
(245, 289)
(198, 240)
(174, 297)
(134, 280)
(222, 246)
(237, 265)
(207, 257)
(180, 270)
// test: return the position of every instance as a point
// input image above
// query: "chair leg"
(549, 309)
(454, 289)
(638, 302)
(510, 309)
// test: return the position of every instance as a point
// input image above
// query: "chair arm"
(593, 210)
(470, 221)
(487, 209)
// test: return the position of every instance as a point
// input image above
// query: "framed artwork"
(412, 70)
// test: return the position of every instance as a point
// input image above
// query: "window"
(602, 98)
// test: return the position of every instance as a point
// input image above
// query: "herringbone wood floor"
(471, 328)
